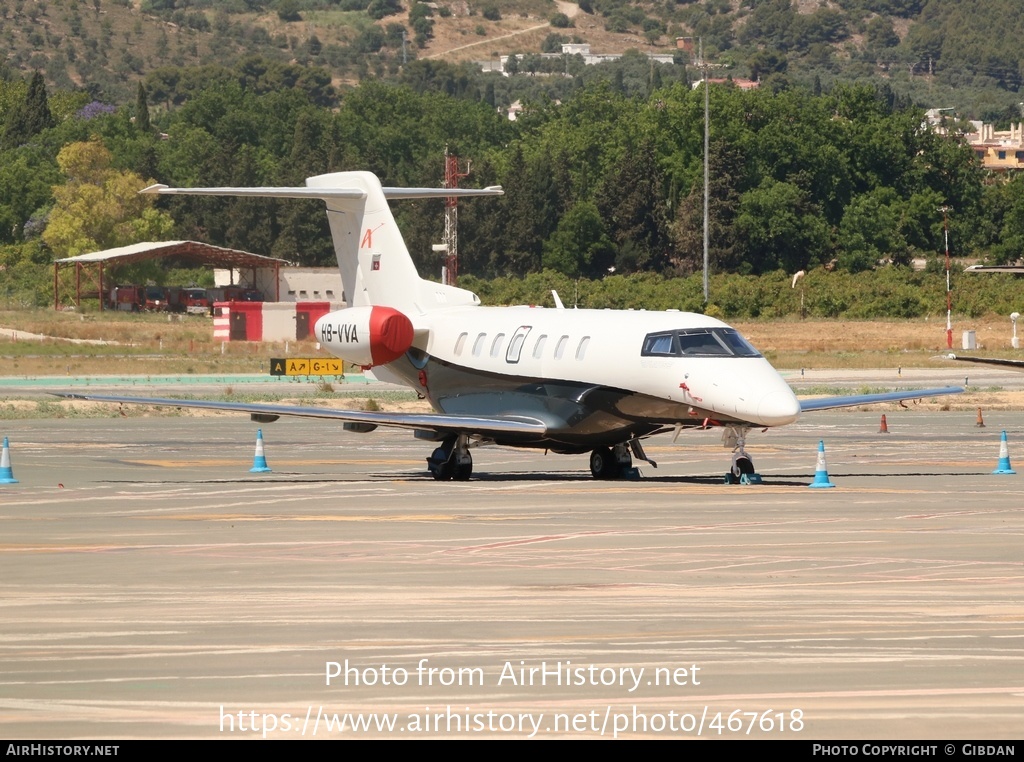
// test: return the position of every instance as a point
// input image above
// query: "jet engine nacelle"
(366, 336)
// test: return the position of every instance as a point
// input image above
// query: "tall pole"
(707, 130)
(949, 292)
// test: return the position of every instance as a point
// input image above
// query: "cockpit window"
(660, 344)
(701, 344)
(740, 346)
(697, 342)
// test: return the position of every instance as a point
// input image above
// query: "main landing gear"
(451, 461)
(617, 462)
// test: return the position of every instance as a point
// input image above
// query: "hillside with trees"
(608, 180)
(933, 52)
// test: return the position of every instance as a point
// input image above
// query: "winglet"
(155, 188)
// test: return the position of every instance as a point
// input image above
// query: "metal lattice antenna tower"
(452, 175)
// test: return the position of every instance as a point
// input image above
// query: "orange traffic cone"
(981, 421)
(884, 428)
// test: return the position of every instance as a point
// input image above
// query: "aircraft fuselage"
(594, 377)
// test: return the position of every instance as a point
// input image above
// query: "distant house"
(742, 84)
(998, 150)
(580, 49)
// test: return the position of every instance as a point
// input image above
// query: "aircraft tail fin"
(375, 265)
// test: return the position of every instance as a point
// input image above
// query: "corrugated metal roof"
(192, 250)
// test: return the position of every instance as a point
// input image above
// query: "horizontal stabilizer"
(830, 403)
(299, 192)
(465, 424)
(325, 193)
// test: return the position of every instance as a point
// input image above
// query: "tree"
(1011, 234)
(526, 216)
(580, 244)
(631, 200)
(870, 232)
(379, 9)
(31, 117)
(781, 227)
(99, 207)
(288, 10)
(727, 165)
(142, 110)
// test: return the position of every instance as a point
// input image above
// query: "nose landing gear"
(742, 470)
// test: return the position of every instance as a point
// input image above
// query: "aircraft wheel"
(602, 463)
(743, 465)
(440, 465)
(462, 472)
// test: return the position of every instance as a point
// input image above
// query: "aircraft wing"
(439, 422)
(1017, 364)
(830, 403)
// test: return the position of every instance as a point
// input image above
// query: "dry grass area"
(457, 38)
(141, 344)
(898, 338)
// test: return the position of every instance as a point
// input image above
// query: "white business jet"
(565, 380)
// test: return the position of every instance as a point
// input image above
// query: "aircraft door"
(515, 346)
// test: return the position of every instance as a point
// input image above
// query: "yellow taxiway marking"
(291, 463)
(726, 489)
(330, 517)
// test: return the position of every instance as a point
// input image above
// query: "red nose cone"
(390, 335)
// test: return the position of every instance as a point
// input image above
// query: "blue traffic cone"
(821, 470)
(1004, 466)
(6, 473)
(259, 462)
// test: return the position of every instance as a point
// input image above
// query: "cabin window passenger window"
(581, 350)
(496, 346)
(538, 348)
(478, 345)
(460, 343)
(560, 347)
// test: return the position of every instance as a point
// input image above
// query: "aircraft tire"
(743, 466)
(602, 463)
(462, 472)
(440, 465)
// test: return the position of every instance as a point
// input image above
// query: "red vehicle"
(194, 301)
(127, 298)
(155, 299)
